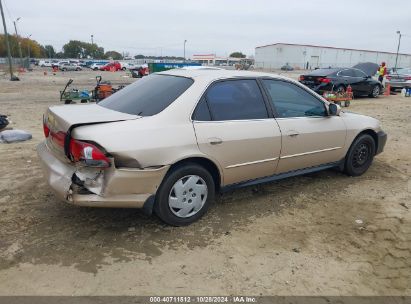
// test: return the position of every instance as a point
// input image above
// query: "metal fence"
(16, 62)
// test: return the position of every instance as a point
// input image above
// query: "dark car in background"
(338, 79)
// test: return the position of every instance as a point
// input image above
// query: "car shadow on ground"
(57, 233)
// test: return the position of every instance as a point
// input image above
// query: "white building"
(301, 56)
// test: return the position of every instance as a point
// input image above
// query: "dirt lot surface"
(319, 234)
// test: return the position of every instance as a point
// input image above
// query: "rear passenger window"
(236, 100)
(201, 112)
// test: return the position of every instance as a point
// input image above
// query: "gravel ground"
(318, 234)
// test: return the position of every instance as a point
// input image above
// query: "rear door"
(309, 136)
(235, 129)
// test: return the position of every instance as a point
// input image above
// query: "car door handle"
(293, 133)
(215, 141)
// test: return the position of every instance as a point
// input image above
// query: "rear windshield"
(323, 72)
(148, 96)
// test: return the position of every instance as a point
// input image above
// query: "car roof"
(214, 74)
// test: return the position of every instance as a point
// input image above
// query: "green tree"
(113, 55)
(237, 55)
(139, 56)
(49, 51)
(80, 49)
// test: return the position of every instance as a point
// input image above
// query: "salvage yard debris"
(10, 136)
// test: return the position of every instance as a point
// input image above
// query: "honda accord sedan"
(338, 79)
(168, 142)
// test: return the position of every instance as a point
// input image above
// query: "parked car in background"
(399, 79)
(97, 65)
(169, 141)
(338, 79)
(56, 63)
(126, 65)
(69, 67)
(116, 66)
(45, 63)
(287, 67)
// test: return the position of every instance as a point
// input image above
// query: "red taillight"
(46, 129)
(408, 78)
(301, 77)
(88, 154)
(324, 80)
(59, 138)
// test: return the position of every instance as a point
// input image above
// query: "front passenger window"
(290, 100)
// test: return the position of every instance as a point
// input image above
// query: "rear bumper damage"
(92, 187)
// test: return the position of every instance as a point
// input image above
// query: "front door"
(309, 136)
(234, 128)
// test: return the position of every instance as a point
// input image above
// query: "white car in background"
(45, 63)
(128, 66)
(96, 66)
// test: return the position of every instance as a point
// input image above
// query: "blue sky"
(160, 27)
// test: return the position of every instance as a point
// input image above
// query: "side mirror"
(334, 109)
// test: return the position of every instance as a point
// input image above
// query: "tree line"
(72, 49)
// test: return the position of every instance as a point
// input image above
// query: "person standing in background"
(382, 71)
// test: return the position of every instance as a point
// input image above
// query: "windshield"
(148, 96)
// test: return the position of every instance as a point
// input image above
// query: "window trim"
(216, 81)
(276, 115)
(338, 74)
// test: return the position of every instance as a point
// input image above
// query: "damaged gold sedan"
(168, 142)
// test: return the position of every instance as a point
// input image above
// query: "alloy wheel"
(376, 91)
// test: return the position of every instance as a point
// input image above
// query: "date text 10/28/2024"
(203, 299)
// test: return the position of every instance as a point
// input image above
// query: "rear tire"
(360, 155)
(340, 89)
(185, 195)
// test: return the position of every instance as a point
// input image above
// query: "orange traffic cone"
(387, 90)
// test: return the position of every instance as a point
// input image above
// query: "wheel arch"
(206, 163)
(370, 132)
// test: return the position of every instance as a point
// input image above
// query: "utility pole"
(18, 41)
(398, 49)
(28, 50)
(92, 44)
(6, 37)
(28, 46)
(185, 41)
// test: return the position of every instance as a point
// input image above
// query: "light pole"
(92, 44)
(6, 36)
(398, 49)
(28, 47)
(185, 41)
(18, 40)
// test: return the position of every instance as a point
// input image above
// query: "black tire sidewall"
(340, 86)
(349, 168)
(161, 206)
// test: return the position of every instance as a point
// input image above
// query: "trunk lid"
(59, 120)
(314, 78)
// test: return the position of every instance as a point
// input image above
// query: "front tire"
(360, 155)
(375, 92)
(184, 195)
